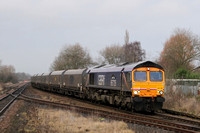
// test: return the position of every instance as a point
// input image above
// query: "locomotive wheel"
(139, 106)
(148, 107)
(115, 103)
(95, 99)
(129, 106)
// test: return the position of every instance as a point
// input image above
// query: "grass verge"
(176, 100)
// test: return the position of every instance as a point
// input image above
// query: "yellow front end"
(148, 82)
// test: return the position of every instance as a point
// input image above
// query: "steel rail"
(170, 117)
(5, 95)
(13, 96)
(180, 114)
(8, 94)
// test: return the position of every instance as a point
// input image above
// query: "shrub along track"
(158, 120)
(7, 99)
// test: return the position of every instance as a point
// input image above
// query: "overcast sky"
(32, 32)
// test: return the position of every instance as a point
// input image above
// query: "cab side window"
(128, 77)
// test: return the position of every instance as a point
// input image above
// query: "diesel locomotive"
(138, 86)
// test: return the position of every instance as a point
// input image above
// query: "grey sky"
(32, 32)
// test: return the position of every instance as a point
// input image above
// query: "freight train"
(138, 86)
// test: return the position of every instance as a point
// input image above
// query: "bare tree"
(179, 51)
(113, 54)
(72, 57)
(129, 52)
(23, 76)
(7, 74)
(126, 38)
(133, 52)
(59, 63)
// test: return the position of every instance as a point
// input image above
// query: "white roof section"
(74, 71)
(109, 69)
(45, 74)
(109, 65)
(129, 67)
(57, 72)
(40, 74)
(125, 67)
(37, 74)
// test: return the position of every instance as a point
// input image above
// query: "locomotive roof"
(110, 69)
(126, 67)
(148, 64)
(130, 67)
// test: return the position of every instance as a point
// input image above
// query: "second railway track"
(172, 112)
(9, 98)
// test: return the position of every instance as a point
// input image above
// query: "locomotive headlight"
(158, 91)
(161, 92)
(135, 92)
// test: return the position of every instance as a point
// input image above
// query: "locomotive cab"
(148, 82)
(148, 88)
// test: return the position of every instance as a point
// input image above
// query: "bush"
(178, 101)
(182, 73)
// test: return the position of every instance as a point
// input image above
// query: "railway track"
(180, 114)
(193, 120)
(9, 98)
(129, 118)
(179, 119)
(175, 117)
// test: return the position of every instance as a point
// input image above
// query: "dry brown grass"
(1, 88)
(31, 118)
(181, 102)
(52, 120)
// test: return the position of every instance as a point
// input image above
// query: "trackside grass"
(53, 120)
(180, 102)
